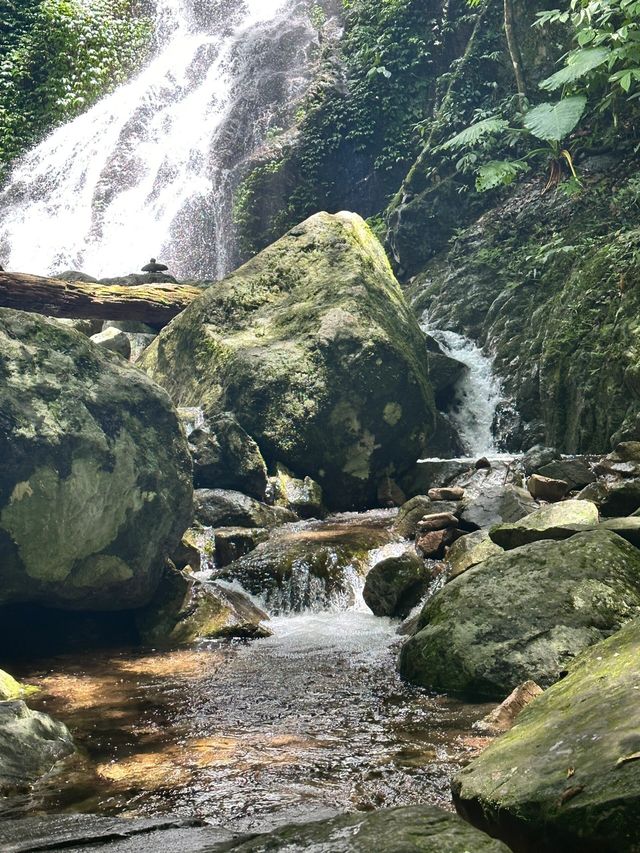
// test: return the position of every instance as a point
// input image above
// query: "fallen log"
(155, 304)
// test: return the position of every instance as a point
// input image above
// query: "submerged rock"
(184, 610)
(225, 508)
(557, 521)
(95, 474)
(394, 586)
(31, 743)
(523, 615)
(567, 776)
(313, 348)
(416, 829)
(308, 567)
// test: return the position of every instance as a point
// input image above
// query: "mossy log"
(155, 304)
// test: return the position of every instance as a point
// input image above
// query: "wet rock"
(312, 346)
(309, 567)
(185, 610)
(623, 462)
(410, 513)
(226, 457)
(503, 718)
(82, 833)
(95, 473)
(431, 473)
(482, 463)
(470, 551)
(614, 498)
(575, 472)
(187, 552)
(226, 508)
(437, 521)
(231, 543)
(545, 489)
(444, 371)
(454, 493)
(496, 504)
(523, 615)
(9, 687)
(537, 457)
(556, 521)
(416, 829)
(31, 743)
(394, 586)
(567, 776)
(303, 497)
(432, 543)
(113, 340)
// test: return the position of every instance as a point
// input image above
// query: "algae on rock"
(313, 348)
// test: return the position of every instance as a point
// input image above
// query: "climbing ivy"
(57, 57)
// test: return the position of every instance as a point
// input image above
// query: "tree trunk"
(514, 48)
(155, 304)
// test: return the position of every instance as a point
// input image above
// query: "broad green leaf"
(552, 122)
(579, 63)
(474, 133)
(498, 173)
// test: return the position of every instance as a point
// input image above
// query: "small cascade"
(478, 393)
(150, 169)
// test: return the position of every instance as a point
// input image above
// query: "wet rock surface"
(394, 586)
(227, 508)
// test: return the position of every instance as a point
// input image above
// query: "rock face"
(184, 610)
(557, 521)
(225, 508)
(30, 744)
(567, 776)
(225, 457)
(95, 474)
(417, 829)
(394, 586)
(523, 615)
(313, 348)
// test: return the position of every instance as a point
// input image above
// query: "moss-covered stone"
(556, 521)
(395, 585)
(95, 474)
(9, 687)
(470, 551)
(417, 829)
(313, 348)
(567, 777)
(523, 615)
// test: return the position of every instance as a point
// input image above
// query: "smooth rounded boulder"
(523, 615)
(95, 474)
(314, 349)
(567, 776)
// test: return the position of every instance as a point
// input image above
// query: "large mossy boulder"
(95, 474)
(567, 777)
(415, 829)
(30, 744)
(396, 584)
(523, 615)
(313, 348)
(555, 521)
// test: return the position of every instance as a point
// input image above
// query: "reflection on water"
(309, 722)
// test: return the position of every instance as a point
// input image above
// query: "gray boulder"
(302, 496)
(496, 504)
(470, 551)
(226, 508)
(537, 457)
(394, 586)
(409, 514)
(113, 340)
(556, 521)
(576, 472)
(31, 743)
(95, 473)
(523, 615)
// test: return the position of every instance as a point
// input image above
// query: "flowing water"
(309, 722)
(150, 169)
(478, 392)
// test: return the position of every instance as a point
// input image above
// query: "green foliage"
(606, 60)
(476, 132)
(498, 173)
(57, 57)
(553, 122)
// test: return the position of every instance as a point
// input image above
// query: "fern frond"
(498, 173)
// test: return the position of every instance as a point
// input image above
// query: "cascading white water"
(128, 179)
(478, 392)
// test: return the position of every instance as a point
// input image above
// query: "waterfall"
(149, 169)
(478, 392)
